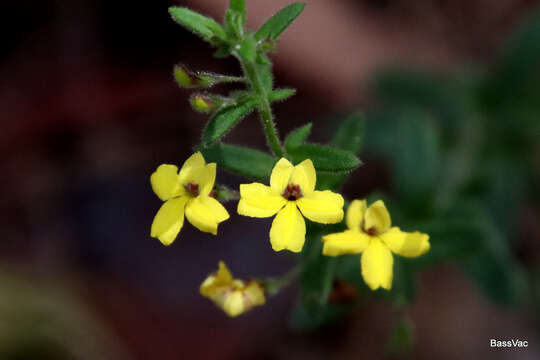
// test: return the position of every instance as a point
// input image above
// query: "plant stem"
(274, 286)
(265, 111)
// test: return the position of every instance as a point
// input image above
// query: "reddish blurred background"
(89, 110)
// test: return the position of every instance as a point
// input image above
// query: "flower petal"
(165, 182)
(281, 174)
(192, 169)
(347, 242)
(222, 277)
(258, 200)
(355, 214)
(205, 213)
(288, 229)
(207, 179)
(169, 220)
(406, 244)
(377, 217)
(377, 263)
(324, 207)
(234, 303)
(215, 207)
(305, 176)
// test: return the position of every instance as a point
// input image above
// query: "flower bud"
(189, 79)
(202, 103)
(231, 295)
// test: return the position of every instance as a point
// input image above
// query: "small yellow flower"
(291, 187)
(233, 296)
(370, 233)
(186, 192)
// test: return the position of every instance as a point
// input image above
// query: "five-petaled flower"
(370, 233)
(233, 296)
(187, 191)
(291, 187)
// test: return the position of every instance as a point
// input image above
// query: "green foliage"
(253, 164)
(235, 18)
(248, 49)
(297, 137)
(349, 137)
(350, 134)
(201, 25)
(281, 94)
(274, 26)
(450, 142)
(325, 158)
(225, 120)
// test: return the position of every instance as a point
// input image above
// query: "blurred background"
(451, 93)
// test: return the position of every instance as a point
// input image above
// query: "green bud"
(209, 103)
(203, 103)
(188, 79)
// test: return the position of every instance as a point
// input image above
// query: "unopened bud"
(202, 103)
(189, 79)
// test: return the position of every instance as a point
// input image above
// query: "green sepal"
(325, 158)
(251, 163)
(225, 120)
(274, 26)
(201, 25)
(281, 94)
(297, 137)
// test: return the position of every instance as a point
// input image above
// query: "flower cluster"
(291, 196)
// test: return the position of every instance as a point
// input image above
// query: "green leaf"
(349, 137)
(238, 6)
(279, 22)
(325, 158)
(298, 136)
(225, 120)
(235, 17)
(248, 49)
(247, 162)
(281, 94)
(201, 25)
(350, 134)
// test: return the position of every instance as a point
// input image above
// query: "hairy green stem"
(265, 111)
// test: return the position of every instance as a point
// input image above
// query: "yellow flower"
(233, 296)
(186, 192)
(370, 233)
(291, 187)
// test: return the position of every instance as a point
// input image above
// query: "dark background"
(89, 110)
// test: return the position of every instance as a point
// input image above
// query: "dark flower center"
(292, 192)
(371, 231)
(192, 189)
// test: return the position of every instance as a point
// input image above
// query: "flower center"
(292, 192)
(371, 231)
(192, 189)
